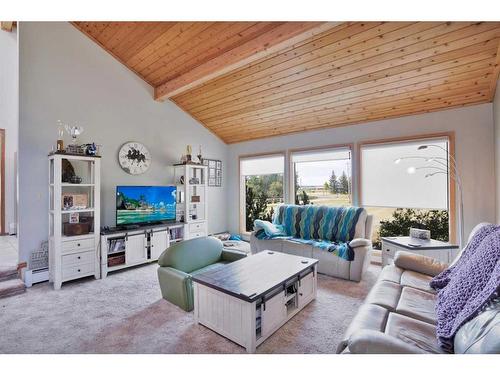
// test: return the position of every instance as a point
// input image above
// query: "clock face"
(134, 158)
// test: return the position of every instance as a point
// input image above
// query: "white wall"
(9, 110)
(496, 120)
(64, 75)
(474, 141)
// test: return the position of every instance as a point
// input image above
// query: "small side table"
(442, 251)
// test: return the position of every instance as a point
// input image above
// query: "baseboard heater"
(36, 276)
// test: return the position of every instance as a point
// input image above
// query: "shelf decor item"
(60, 136)
(72, 201)
(74, 131)
(421, 234)
(76, 229)
(200, 157)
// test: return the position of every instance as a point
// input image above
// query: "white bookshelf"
(192, 199)
(73, 256)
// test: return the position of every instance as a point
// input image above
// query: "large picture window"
(321, 177)
(261, 188)
(404, 184)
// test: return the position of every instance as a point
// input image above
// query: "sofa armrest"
(362, 258)
(358, 242)
(176, 287)
(368, 341)
(419, 263)
(232, 255)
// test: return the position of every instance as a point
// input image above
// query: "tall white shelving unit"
(74, 256)
(192, 199)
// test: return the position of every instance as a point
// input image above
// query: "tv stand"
(126, 247)
(131, 227)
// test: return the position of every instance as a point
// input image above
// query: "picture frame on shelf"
(214, 172)
(72, 201)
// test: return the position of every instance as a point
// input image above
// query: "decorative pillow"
(270, 229)
(222, 236)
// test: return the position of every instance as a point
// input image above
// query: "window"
(261, 188)
(405, 185)
(321, 177)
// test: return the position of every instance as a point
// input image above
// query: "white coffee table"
(248, 300)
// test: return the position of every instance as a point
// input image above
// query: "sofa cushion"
(419, 263)
(413, 331)
(297, 248)
(330, 264)
(417, 280)
(417, 304)
(369, 316)
(391, 273)
(481, 334)
(385, 294)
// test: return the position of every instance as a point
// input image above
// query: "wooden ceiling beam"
(7, 25)
(280, 37)
(496, 73)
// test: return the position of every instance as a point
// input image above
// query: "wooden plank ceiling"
(247, 81)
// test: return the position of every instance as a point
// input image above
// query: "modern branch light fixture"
(440, 165)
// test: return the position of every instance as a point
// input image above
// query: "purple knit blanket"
(467, 286)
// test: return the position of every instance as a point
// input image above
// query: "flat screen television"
(137, 205)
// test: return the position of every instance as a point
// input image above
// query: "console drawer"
(197, 227)
(78, 258)
(196, 235)
(85, 244)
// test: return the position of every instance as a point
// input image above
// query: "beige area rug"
(125, 313)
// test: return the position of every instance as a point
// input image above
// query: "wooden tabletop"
(417, 244)
(252, 277)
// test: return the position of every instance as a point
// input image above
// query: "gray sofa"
(329, 264)
(398, 314)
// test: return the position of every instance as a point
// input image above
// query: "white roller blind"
(321, 155)
(262, 165)
(387, 184)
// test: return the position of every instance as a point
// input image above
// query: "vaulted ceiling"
(251, 80)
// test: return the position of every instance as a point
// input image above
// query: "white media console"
(125, 248)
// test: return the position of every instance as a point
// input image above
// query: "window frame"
(291, 170)
(450, 136)
(241, 183)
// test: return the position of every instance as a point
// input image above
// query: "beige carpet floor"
(125, 313)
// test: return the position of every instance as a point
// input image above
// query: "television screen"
(144, 204)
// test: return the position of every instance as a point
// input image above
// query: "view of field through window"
(324, 178)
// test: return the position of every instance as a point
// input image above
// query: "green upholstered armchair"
(184, 259)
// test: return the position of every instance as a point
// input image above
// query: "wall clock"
(134, 158)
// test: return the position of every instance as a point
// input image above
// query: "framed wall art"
(214, 172)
